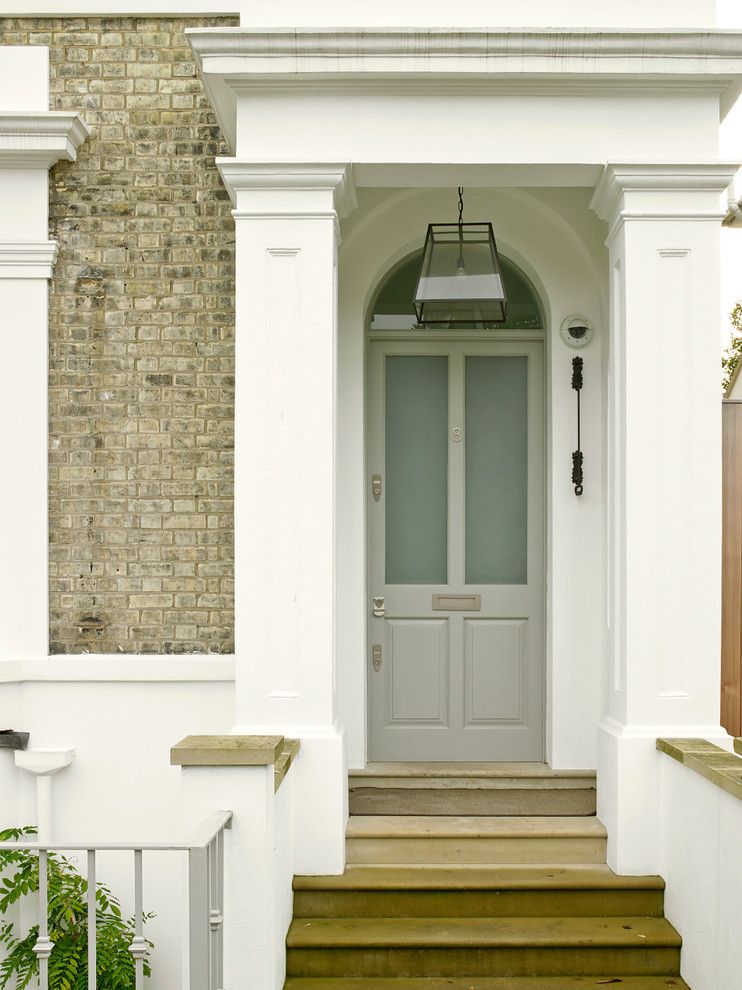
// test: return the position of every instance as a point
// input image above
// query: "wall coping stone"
(722, 768)
(237, 751)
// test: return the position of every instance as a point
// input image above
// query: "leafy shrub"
(68, 925)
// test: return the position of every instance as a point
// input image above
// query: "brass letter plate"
(457, 603)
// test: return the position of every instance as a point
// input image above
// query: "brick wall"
(141, 374)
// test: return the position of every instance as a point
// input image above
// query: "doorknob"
(379, 607)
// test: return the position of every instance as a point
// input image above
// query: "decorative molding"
(39, 140)
(27, 259)
(43, 762)
(550, 61)
(120, 668)
(422, 44)
(639, 192)
(680, 177)
(334, 177)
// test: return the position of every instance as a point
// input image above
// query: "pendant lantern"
(460, 283)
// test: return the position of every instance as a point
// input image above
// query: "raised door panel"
(417, 658)
(494, 671)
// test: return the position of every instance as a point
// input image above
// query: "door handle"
(379, 607)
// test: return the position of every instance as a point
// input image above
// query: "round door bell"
(576, 331)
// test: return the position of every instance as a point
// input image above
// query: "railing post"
(43, 947)
(198, 919)
(92, 924)
(138, 947)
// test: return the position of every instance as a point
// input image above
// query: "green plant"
(733, 353)
(68, 925)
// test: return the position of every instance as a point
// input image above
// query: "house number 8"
(456, 434)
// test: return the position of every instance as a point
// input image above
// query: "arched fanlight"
(460, 283)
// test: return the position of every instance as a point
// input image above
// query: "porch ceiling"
(548, 61)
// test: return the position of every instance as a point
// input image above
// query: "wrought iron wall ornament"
(577, 454)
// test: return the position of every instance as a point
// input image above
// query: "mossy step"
(485, 891)
(598, 982)
(474, 947)
(510, 877)
(480, 932)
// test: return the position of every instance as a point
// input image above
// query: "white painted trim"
(119, 668)
(122, 8)
(419, 44)
(27, 259)
(38, 140)
(295, 176)
(619, 177)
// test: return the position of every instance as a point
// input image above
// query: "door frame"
(433, 337)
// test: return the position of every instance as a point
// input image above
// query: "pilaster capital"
(660, 191)
(289, 189)
(27, 259)
(39, 140)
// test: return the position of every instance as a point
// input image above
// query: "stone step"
(440, 947)
(477, 891)
(470, 789)
(467, 840)
(597, 982)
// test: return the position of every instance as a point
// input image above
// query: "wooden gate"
(731, 608)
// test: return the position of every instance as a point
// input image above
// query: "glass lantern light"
(460, 282)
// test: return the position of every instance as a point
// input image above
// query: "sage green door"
(456, 473)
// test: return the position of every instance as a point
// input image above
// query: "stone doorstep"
(237, 751)
(709, 760)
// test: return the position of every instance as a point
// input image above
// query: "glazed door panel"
(456, 550)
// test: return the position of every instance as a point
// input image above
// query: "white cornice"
(422, 43)
(27, 259)
(657, 191)
(38, 140)
(333, 177)
(550, 61)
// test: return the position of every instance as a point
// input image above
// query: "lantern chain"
(461, 206)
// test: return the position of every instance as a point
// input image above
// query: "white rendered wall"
(701, 864)
(542, 233)
(120, 785)
(393, 124)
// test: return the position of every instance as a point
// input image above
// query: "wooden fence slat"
(731, 608)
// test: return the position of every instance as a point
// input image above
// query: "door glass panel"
(416, 433)
(496, 440)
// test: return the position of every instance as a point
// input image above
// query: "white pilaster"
(32, 139)
(663, 520)
(287, 236)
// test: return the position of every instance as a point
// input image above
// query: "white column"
(663, 524)
(32, 139)
(287, 236)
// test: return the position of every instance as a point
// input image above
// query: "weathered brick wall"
(141, 345)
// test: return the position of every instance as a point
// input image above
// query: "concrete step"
(468, 840)
(477, 891)
(597, 982)
(470, 789)
(440, 947)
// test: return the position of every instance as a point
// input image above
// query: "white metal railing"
(205, 902)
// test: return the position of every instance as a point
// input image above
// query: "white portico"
(595, 155)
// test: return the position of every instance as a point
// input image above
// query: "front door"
(456, 476)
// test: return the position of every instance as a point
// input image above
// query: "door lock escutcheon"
(376, 656)
(379, 607)
(376, 487)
